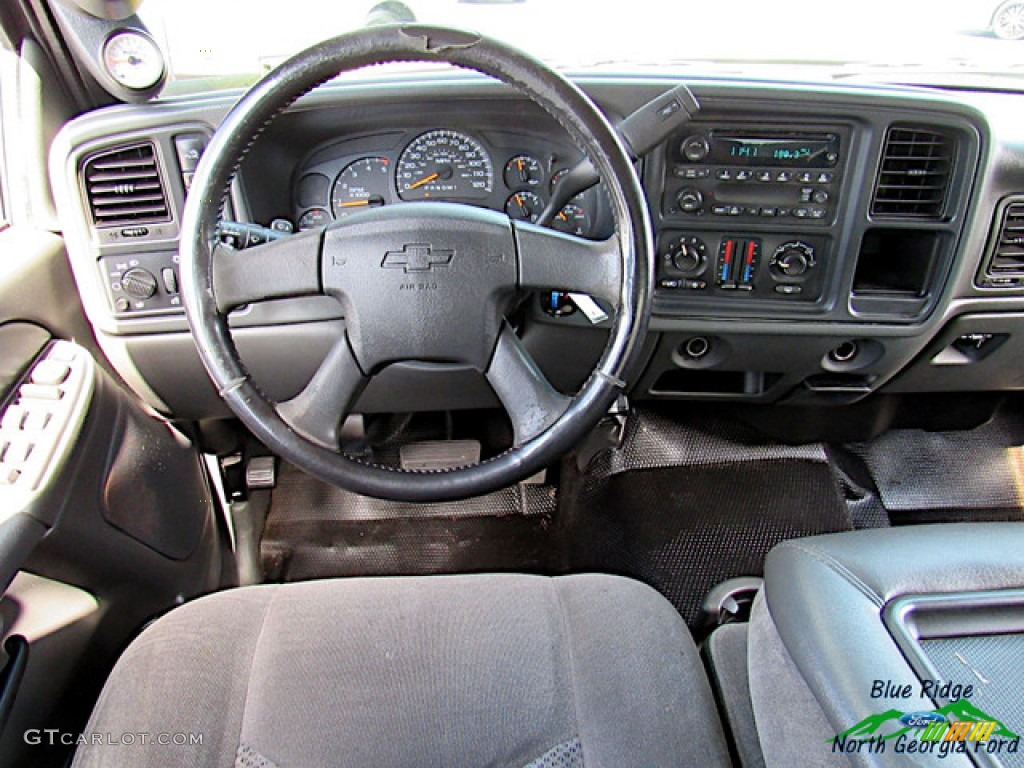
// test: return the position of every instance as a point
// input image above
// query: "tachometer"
(443, 165)
(362, 184)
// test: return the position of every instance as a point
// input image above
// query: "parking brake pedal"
(439, 454)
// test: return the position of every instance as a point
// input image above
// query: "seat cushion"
(482, 670)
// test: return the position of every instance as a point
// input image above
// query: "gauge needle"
(375, 200)
(425, 180)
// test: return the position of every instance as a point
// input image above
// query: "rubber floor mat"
(408, 547)
(685, 529)
(315, 530)
(975, 474)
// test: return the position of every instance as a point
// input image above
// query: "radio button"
(783, 212)
(789, 290)
(801, 213)
(683, 172)
(783, 177)
(824, 178)
(820, 196)
(723, 174)
(690, 200)
(818, 213)
(770, 212)
(806, 177)
(743, 175)
(764, 176)
(695, 148)
(720, 210)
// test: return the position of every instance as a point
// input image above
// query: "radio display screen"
(796, 151)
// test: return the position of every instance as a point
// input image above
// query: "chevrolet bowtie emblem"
(417, 258)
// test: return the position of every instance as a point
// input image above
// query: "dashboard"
(507, 172)
(815, 243)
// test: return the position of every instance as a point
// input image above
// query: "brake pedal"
(439, 454)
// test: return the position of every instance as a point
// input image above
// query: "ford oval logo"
(922, 719)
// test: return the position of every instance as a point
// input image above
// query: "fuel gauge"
(573, 219)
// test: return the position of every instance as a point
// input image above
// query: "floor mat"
(683, 505)
(685, 529)
(975, 474)
(315, 530)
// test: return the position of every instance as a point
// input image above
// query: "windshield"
(221, 43)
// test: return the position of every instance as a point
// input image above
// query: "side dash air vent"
(124, 187)
(914, 175)
(1005, 267)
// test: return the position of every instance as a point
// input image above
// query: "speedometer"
(441, 165)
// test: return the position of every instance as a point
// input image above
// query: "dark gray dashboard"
(799, 257)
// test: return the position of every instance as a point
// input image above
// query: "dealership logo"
(958, 727)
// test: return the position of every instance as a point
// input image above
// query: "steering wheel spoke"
(554, 260)
(531, 402)
(318, 410)
(280, 269)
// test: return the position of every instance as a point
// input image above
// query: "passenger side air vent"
(1005, 266)
(124, 187)
(914, 175)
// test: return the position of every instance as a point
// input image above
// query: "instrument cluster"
(514, 174)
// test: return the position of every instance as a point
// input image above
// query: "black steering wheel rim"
(567, 104)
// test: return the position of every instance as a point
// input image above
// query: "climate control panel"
(761, 265)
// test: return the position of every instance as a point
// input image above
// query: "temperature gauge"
(524, 206)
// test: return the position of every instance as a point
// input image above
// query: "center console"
(746, 211)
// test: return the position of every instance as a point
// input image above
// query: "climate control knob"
(793, 259)
(690, 200)
(139, 283)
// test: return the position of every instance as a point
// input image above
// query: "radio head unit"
(753, 173)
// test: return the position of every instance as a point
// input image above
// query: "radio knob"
(689, 259)
(793, 259)
(695, 148)
(690, 200)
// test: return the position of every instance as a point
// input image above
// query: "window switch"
(36, 420)
(50, 372)
(40, 392)
(14, 418)
(16, 452)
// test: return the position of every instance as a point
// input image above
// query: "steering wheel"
(427, 281)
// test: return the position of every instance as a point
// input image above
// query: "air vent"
(914, 175)
(1005, 267)
(124, 187)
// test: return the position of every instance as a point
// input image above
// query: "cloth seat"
(482, 670)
